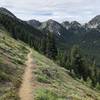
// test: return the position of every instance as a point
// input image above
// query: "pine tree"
(78, 63)
(63, 60)
(51, 49)
(14, 35)
(94, 74)
(43, 45)
(74, 58)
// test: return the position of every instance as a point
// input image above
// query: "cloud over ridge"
(60, 10)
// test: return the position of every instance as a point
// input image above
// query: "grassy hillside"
(12, 58)
(53, 83)
(50, 82)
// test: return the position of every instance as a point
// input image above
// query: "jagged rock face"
(49, 26)
(74, 27)
(73, 24)
(53, 27)
(94, 23)
(6, 12)
(34, 23)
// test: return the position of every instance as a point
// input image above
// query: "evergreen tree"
(73, 57)
(14, 35)
(63, 60)
(43, 45)
(78, 63)
(51, 49)
(94, 74)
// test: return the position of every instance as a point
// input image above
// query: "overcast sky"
(59, 10)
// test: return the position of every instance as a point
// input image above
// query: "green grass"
(12, 58)
(44, 94)
(60, 85)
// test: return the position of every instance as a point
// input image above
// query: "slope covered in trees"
(20, 29)
(81, 67)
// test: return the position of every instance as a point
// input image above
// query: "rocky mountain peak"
(94, 23)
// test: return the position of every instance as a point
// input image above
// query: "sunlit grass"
(12, 58)
(55, 79)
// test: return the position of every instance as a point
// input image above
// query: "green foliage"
(43, 45)
(98, 86)
(44, 94)
(78, 64)
(63, 59)
(51, 46)
(42, 79)
(46, 75)
(61, 84)
(48, 46)
(10, 95)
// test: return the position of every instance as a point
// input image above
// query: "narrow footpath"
(25, 91)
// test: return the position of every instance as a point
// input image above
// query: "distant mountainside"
(87, 35)
(50, 25)
(34, 23)
(56, 27)
(73, 24)
(94, 23)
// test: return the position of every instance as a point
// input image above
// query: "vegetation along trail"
(25, 92)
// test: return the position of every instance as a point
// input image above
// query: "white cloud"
(81, 10)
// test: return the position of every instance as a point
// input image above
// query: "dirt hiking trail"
(25, 91)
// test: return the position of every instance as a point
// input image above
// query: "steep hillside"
(12, 58)
(52, 82)
(49, 81)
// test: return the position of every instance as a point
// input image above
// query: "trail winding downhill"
(25, 91)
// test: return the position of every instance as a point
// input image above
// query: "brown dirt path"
(25, 91)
